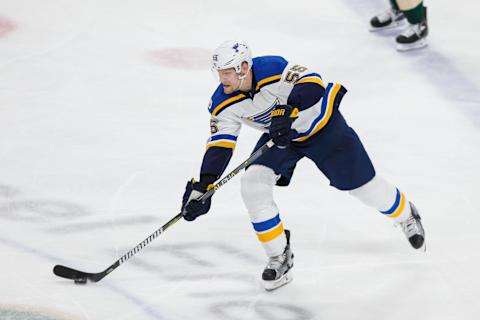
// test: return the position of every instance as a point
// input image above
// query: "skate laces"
(410, 226)
(413, 29)
(388, 14)
(276, 262)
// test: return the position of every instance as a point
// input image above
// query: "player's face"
(229, 80)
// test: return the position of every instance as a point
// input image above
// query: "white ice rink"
(103, 119)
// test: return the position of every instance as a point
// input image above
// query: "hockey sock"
(394, 4)
(384, 197)
(271, 235)
(257, 193)
(414, 10)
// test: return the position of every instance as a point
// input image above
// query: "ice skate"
(414, 37)
(278, 270)
(389, 19)
(413, 229)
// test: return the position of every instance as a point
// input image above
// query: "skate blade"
(408, 47)
(392, 25)
(423, 248)
(275, 284)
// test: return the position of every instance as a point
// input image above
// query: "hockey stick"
(81, 277)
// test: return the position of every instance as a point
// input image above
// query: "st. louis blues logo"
(265, 117)
(235, 47)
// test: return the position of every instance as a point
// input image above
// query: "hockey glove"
(192, 207)
(281, 126)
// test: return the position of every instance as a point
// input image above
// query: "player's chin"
(227, 89)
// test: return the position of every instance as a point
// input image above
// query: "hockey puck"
(81, 281)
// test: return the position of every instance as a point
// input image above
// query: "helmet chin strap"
(242, 78)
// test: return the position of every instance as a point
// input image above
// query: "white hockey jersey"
(274, 80)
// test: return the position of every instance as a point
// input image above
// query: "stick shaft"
(207, 195)
(70, 273)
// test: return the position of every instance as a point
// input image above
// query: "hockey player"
(415, 36)
(295, 107)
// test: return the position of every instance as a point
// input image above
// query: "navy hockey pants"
(336, 150)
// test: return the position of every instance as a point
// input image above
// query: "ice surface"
(103, 119)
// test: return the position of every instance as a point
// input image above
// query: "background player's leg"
(414, 10)
(392, 17)
(415, 36)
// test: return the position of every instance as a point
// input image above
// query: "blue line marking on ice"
(22, 247)
(146, 308)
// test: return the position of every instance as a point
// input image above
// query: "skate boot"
(414, 37)
(413, 229)
(277, 272)
(389, 19)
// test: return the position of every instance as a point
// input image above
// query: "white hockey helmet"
(231, 54)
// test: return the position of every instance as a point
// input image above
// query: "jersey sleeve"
(315, 117)
(219, 149)
(314, 98)
(307, 91)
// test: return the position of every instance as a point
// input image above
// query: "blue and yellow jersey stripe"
(269, 229)
(265, 82)
(397, 207)
(222, 140)
(326, 110)
(311, 78)
(268, 70)
(221, 102)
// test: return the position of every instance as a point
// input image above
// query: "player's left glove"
(192, 207)
(281, 126)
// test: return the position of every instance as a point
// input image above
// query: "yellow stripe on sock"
(272, 234)
(400, 207)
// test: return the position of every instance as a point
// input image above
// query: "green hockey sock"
(394, 5)
(415, 15)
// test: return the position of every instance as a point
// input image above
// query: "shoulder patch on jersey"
(221, 100)
(268, 70)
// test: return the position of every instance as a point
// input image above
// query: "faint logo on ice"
(6, 26)
(228, 287)
(40, 210)
(23, 312)
(8, 192)
(247, 309)
(15, 206)
(181, 58)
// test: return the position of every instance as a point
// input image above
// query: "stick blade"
(69, 273)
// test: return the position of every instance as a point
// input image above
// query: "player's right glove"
(281, 126)
(192, 207)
